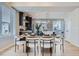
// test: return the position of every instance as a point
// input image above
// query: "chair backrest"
(16, 38)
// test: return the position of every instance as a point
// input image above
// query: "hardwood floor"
(70, 50)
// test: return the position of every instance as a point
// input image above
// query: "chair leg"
(63, 47)
(34, 48)
(50, 49)
(43, 48)
(37, 48)
(15, 47)
(18, 47)
(55, 49)
(27, 50)
(23, 47)
(60, 47)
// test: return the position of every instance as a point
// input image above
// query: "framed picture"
(5, 28)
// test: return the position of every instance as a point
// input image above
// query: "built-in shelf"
(25, 21)
(28, 22)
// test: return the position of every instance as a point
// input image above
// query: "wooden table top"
(37, 37)
(40, 37)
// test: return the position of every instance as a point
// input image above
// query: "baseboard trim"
(72, 42)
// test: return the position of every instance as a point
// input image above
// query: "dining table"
(38, 39)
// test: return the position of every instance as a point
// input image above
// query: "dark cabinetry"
(27, 20)
(28, 23)
(20, 18)
(20, 22)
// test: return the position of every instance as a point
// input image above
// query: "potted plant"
(38, 28)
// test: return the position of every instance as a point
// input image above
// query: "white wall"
(67, 26)
(72, 27)
(8, 15)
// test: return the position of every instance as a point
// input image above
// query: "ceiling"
(45, 6)
(55, 10)
(45, 9)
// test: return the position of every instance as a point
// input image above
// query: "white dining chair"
(59, 40)
(34, 39)
(47, 42)
(19, 42)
